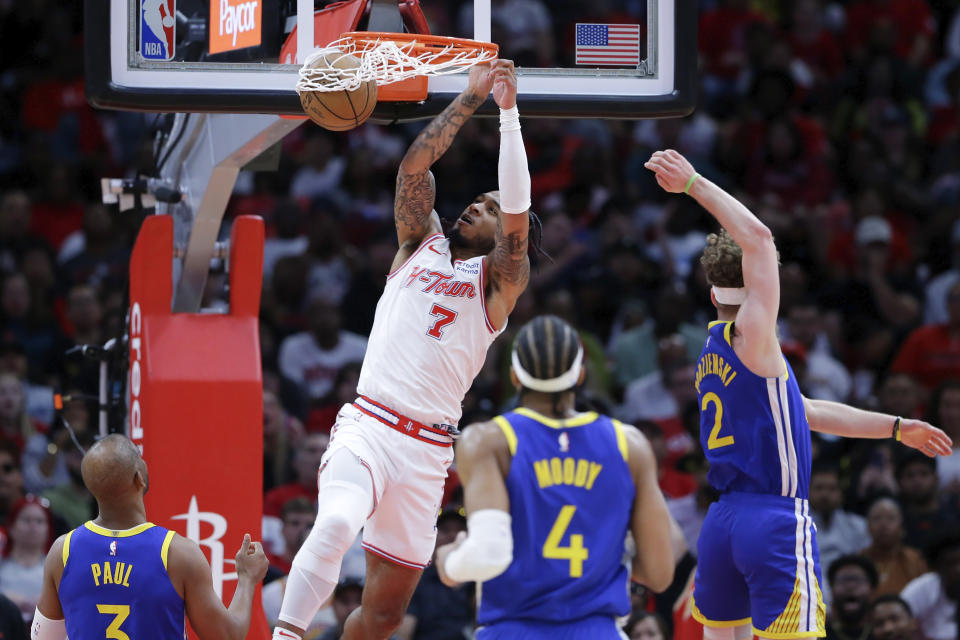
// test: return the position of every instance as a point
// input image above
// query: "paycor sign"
(234, 24)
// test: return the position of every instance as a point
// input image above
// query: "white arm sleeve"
(487, 550)
(512, 171)
(44, 628)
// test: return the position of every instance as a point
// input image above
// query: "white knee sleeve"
(741, 632)
(487, 551)
(345, 498)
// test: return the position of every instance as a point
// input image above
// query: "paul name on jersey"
(104, 573)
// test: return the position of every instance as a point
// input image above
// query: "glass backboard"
(575, 58)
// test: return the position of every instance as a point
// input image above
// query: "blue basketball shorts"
(594, 627)
(758, 564)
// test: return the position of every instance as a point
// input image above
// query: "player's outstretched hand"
(504, 84)
(673, 171)
(251, 561)
(440, 559)
(925, 437)
(480, 81)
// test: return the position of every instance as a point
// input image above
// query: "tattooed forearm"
(416, 190)
(509, 258)
(414, 201)
(436, 138)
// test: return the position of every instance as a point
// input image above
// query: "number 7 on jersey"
(444, 317)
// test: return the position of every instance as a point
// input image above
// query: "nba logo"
(157, 24)
(113, 548)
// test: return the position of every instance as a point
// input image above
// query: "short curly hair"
(722, 260)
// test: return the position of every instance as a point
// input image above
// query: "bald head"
(113, 470)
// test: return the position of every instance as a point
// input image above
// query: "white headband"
(563, 382)
(733, 296)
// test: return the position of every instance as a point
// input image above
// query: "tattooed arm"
(413, 205)
(508, 267)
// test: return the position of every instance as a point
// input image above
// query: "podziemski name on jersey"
(441, 284)
(712, 364)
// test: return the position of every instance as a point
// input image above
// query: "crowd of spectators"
(837, 122)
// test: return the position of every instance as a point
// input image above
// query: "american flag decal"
(608, 44)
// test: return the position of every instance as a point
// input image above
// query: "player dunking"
(120, 576)
(445, 301)
(550, 496)
(758, 558)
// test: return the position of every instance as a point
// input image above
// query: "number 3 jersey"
(115, 584)
(571, 498)
(430, 335)
(753, 430)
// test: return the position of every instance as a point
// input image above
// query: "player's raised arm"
(483, 461)
(759, 301)
(209, 618)
(48, 622)
(843, 420)
(509, 266)
(416, 190)
(651, 522)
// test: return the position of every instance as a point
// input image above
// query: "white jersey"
(430, 335)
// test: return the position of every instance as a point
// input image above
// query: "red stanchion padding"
(196, 402)
(246, 265)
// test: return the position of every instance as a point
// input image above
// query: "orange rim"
(423, 43)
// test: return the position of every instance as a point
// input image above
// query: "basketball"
(339, 110)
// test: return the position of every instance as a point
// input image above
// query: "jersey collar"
(576, 421)
(110, 533)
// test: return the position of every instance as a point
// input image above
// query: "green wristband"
(690, 182)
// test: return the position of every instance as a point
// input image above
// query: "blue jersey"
(115, 584)
(753, 430)
(571, 496)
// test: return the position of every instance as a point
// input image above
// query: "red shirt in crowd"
(274, 499)
(279, 562)
(822, 54)
(930, 354)
(723, 39)
(909, 19)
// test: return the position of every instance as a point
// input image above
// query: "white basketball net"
(385, 61)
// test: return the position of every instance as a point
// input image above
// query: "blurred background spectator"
(30, 537)
(852, 580)
(892, 619)
(933, 596)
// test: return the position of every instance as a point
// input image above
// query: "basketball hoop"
(391, 57)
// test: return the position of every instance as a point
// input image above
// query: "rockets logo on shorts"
(158, 20)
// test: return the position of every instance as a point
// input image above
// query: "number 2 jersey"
(430, 335)
(115, 584)
(753, 430)
(571, 498)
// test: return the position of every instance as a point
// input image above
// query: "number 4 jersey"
(753, 430)
(430, 335)
(115, 584)
(571, 497)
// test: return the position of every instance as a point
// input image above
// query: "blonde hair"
(722, 260)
